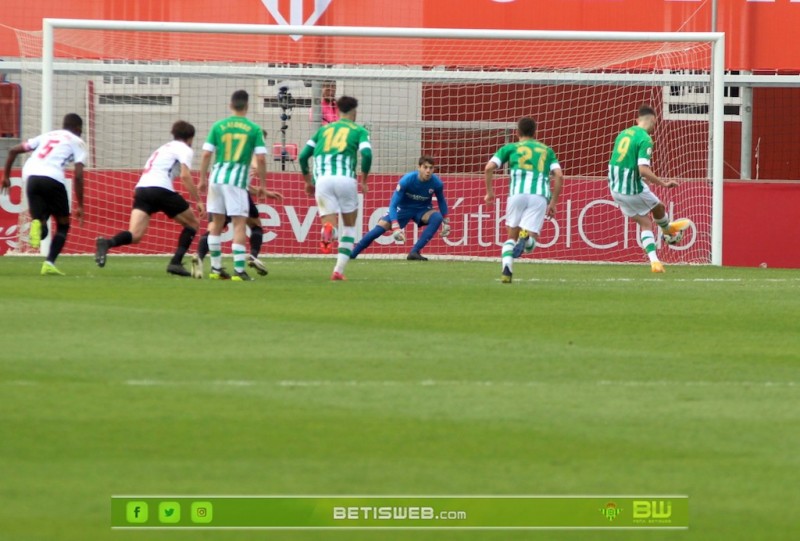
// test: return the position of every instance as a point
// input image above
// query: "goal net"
(453, 95)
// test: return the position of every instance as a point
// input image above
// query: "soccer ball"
(673, 239)
(676, 230)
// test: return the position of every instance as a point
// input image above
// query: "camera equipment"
(286, 103)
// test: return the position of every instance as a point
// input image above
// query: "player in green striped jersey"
(533, 167)
(335, 148)
(234, 141)
(629, 173)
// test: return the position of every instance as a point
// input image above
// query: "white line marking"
(664, 279)
(417, 383)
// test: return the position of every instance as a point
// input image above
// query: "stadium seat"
(10, 110)
(291, 152)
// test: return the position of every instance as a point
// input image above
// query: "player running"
(155, 193)
(46, 184)
(533, 166)
(335, 148)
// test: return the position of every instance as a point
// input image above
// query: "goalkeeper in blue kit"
(413, 201)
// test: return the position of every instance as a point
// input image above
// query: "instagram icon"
(202, 512)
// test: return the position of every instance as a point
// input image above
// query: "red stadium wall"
(775, 137)
(760, 225)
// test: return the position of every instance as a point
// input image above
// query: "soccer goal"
(453, 94)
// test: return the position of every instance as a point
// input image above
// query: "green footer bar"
(400, 512)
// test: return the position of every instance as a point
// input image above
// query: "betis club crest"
(301, 12)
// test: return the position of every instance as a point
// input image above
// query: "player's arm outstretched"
(646, 172)
(13, 152)
(644, 154)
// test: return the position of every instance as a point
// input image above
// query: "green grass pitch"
(410, 378)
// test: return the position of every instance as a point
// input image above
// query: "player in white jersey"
(45, 183)
(155, 192)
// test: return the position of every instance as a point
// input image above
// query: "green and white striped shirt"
(235, 140)
(632, 148)
(336, 147)
(530, 163)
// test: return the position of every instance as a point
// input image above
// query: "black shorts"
(251, 213)
(153, 199)
(46, 197)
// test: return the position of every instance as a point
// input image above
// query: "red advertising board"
(757, 222)
(10, 207)
(588, 226)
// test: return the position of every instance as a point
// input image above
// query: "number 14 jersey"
(336, 148)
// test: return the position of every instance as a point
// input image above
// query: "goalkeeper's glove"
(398, 234)
(445, 228)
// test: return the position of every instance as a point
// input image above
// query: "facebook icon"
(136, 512)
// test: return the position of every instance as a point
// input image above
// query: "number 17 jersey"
(234, 140)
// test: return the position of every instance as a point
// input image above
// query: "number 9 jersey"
(632, 148)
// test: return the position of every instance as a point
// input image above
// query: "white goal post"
(427, 102)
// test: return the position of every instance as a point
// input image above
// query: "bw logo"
(652, 509)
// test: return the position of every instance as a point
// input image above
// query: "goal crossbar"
(374, 31)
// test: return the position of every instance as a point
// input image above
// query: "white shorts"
(336, 194)
(526, 210)
(639, 204)
(227, 200)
